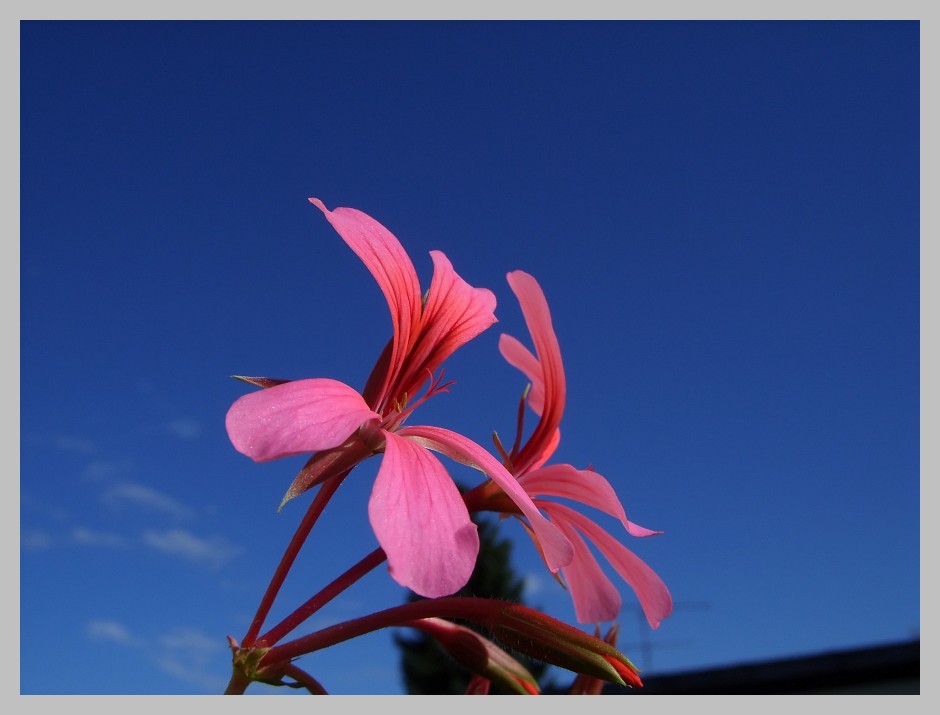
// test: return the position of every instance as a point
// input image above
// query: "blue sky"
(724, 217)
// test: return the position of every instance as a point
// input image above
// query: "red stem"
(238, 683)
(475, 609)
(305, 679)
(319, 503)
(326, 595)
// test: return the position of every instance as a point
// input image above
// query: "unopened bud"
(552, 641)
(480, 656)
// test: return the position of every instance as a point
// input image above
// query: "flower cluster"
(420, 518)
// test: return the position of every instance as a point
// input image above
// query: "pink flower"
(595, 597)
(415, 509)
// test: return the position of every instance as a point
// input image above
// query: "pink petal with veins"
(454, 314)
(421, 521)
(392, 269)
(595, 598)
(556, 548)
(295, 417)
(518, 355)
(538, 318)
(650, 590)
(582, 485)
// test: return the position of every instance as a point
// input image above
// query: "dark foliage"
(426, 668)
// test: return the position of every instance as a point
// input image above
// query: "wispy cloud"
(107, 630)
(87, 537)
(63, 442)
(192, 656)
(187, 654)
(194, 641)
(194, 674)
(185, 428)
(214, 551)
(101, 470)
(125, 494)
(532, 584)
(36, 540)
(74, 444)
(40, 506)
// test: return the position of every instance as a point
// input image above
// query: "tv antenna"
(646, 643)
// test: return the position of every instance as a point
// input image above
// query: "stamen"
(507, 462)
(402, 412)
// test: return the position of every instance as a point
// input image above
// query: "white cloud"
(74, 444)
(185, 653)
(193, 641)
(87, 537)
(185, 428)
(100, 470)
(532, 584)
(126, 494)
(64, 442)
(41, 506)
(214, 551)
(106, 630)
(36, 540)
(193, 674)
(189, 654)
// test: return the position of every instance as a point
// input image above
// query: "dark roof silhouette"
(881, 669)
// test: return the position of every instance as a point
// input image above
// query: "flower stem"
(238, 684)
(476, 609)
(305, 679)
(326, 595)
(326, 490)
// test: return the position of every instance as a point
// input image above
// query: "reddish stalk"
(326, 490)
(305, 679)
(326, 595)
(468, 608)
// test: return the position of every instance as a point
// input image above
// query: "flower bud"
(552, 641)
(589, 685)
(479, 655)
(478, 685)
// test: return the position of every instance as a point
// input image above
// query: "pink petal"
(594, 597)
(556, 548)
(582, 485)
(454, 314)
(392, 269)
(421, 521)
(295, 417)
(585, 486)
(539, 321)
(637, 530)
(650, 590)
(518, 355)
